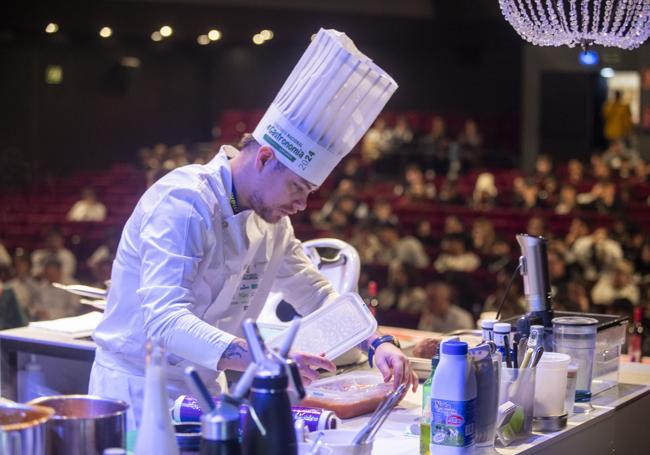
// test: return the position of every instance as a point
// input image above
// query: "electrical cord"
(505, 295)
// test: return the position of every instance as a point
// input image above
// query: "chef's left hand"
(392, 363)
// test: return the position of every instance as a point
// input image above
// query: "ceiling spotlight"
(106, 32)
(166, 31)
(257, 39)
(51, 28)
(266, 34)
(203, 40)
(156, 36)
(214, 35)
(607, 72)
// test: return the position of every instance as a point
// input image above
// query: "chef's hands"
(426, 348)
(392, 363)
(308, 364)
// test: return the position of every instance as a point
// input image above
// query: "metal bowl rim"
(38, 401)
(46, 410)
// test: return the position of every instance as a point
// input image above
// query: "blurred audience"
(454, 256)
(376, 142)
(54, 248)
(406, 250)
(88, 208)
(440, 313)
(11, 314)
(25, 287)
(617, 283)
(401, 292)
(54, 303)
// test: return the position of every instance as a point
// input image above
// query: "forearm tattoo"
(236, 350)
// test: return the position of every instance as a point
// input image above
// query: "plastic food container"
(348, 395)
(333, 329)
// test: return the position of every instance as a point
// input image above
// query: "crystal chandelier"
(618, 23)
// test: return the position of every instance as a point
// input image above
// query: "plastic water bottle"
(156, 434)
(425, 418)
(453, 401)
(31, 381)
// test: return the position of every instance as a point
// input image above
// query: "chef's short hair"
(248, 142)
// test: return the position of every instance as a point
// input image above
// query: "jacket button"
(225, 224)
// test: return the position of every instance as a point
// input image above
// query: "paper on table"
(84, 291)
(76, 326)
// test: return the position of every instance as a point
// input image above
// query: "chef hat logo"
(327, 104)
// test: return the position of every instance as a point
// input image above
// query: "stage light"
(257, 39)
(203, 40)
(607, 72)
(214, 35)
(106, 32)
(588, 58)
(266, 34)
(51, 28)
(166, 31)
(156, 36)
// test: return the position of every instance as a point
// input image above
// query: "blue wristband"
(378, 341)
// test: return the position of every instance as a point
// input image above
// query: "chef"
(207, 243)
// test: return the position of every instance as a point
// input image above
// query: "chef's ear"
(265, 156)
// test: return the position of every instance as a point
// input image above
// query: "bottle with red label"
(635, 336)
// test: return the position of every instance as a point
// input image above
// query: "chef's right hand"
(308, 364)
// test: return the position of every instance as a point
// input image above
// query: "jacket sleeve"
(173, 244)
(302, 285)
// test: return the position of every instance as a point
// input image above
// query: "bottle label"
(452, 422)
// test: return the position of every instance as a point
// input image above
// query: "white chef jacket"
(188, 271)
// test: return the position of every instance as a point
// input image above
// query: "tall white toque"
(331, 98)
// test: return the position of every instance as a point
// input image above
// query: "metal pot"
(22, 428)
(84, 424)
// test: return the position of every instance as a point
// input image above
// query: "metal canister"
(84, 424)
(22, 428)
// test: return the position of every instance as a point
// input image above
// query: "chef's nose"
(300, 204)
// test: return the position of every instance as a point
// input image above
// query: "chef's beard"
(263, 210)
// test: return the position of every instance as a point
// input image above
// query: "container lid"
(333, 329)
(502, 327)
(454, 348)
(488, 323)
(575, 321)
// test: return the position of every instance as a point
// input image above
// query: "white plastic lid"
(333, 329)
(502, 327)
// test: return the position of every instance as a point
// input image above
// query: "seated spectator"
(576, 172)
(567, 293)
(453, 225)
(382, 213)
(54, 247)
(5, 259)
(352, 171)
(599, 169)
(616, 284)
(101, 261)
(596, 253)
(434, 146)
(401, 134)
(621, 159)
(547, 196)
(11, 315)
(366, 243)
(407, 250)
(603, 198)
(400, 292)
(525, 193)
(642, 263)
(418, 194)
(177, 157)
(441, 313)
(470, 139)
(537, 226)
(376, 142)
(424, 233)
(344, 200)
(485, 192)
(501, 255)
(23, 284)
(454, 256)
(88, 208)
(514, 303)
(567, 202)
(543, 168)
(483, 236)
(450, 193)
(54, 303)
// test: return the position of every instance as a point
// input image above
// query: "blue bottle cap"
(454, 348)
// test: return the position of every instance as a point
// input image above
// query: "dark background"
(450, 57)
